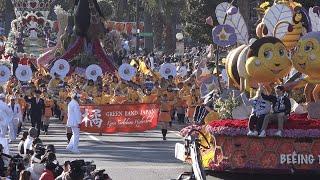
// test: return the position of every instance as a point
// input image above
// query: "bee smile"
(276, 71)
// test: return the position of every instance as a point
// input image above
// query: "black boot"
(46, 127)
(69, 135)
(164, 134)
(19, 129)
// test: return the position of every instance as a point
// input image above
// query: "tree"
(195, 15)
(165, 14)
(106, 8)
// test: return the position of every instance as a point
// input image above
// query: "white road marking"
(92, 137)
(175, 133)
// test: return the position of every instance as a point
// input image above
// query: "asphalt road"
(136, 156)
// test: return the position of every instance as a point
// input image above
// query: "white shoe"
(76, 151)
(250, 133)
(69, 149)
(255, 133)
(278, 133)
(263, 133)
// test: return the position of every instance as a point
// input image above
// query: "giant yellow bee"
(265, 61)
(298, 26)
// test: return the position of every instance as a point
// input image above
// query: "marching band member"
(54, 84)
(192, 102)
(23, 105)
(185, 90)
(98, 100)
(107, 95)
(133, 95)
(148, 97)
(165, 115)
(90, 87)
(63, 94)
(171, 96)
(48, 102)
(83, 97)
(24, 60)
(180, 107)
(74, 120)
(115, 82)
(118, 97)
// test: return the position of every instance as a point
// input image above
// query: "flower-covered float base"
(297, 151)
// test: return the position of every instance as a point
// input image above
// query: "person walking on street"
(16, 122)
(74, 120)
(37, 110)
(5, 116)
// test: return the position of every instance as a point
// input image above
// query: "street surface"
(134, 156)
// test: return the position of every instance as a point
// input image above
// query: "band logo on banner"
(119, 118)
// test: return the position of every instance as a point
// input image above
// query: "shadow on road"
(132, 151)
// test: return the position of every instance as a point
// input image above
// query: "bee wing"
(315, 20)
(276, 14)
(236, 21)
(221, 11)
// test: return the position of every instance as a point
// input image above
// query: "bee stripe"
(232, 65)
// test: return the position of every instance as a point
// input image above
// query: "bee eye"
(268, 54)
(308, 47)
(281, 52)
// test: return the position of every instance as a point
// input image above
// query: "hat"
(75, 95)
(33, 132)
(76, 164)
(280, 87)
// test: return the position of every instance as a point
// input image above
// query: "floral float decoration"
(224, 35)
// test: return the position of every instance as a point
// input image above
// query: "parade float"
(32, 33)
(31, 29)
(287, 42)
(76, 36)
(82, 31)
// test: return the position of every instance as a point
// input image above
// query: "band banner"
(119, 118)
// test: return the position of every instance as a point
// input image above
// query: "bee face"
(271, 63)
(306, 58)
